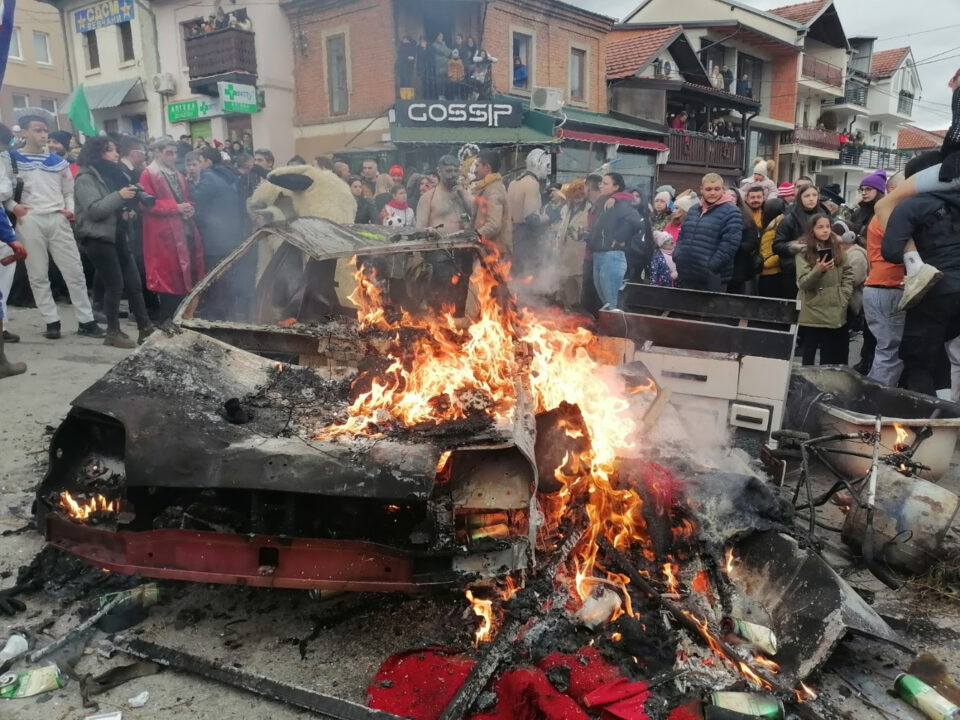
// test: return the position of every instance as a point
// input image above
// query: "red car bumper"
(256, 560)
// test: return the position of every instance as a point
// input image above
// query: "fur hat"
(760, 168)
(686, 202)
(833, 193)
(876, 180)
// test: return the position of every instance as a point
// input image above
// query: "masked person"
(529, 224)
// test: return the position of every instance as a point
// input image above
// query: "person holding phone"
(825, 284)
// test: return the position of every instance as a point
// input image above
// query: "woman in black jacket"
(366, 213)
(746, 263)
(787, 243)
(612, 236)
(103, 195)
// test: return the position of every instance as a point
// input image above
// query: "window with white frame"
(41, 48)
(92, 50)
(126, 42)
(578, 74)
(523, 60)
(16, 53)
(337, 84)
(20, 101)
(50, 105)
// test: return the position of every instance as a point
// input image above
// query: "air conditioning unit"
(876, 127)
(546, 99)
(816, 165)
(164, 83)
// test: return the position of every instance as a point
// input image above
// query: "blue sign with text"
(103, 14)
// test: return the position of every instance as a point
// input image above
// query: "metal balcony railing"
(853, 94)
(871, 157)
(825, 139)
(221, 52)
(905, 104)
(692, 148)
(816, 69)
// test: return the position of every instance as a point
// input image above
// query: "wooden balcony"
(823, 139)
(228, 52)
(815, 69)
(701, 150)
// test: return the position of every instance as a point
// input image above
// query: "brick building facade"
(345, 51)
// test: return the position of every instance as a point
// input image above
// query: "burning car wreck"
(215, 452)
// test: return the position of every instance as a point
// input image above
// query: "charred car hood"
(169, 396)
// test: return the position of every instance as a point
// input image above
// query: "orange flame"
(484, 610)
(805, 692)
(509, 589)
(279, 366)
(703, 626)
(728, 562)
(96, 503)
(772, 667)
(902, 434)
(616, 637)
(670, 573)
(453, 370)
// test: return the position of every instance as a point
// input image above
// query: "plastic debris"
(138, 701)
(26, 683)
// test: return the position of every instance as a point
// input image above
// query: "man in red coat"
(172, 247)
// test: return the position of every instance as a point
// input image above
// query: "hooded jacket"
(97, 208)
(796, 222)
(933, 221)
(218, 210)
(824, 297)
(492, 215)
(708, 241)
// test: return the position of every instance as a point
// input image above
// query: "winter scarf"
(112, 174)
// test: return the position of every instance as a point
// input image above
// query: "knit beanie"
(760, 169)
(876, 180)
(669, 189)
(686, 202)
(663, 195)
(786, 189)
(61, 136)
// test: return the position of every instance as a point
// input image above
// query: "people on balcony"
(519, 73)
(456, 75)
(407, 67)
(716, 79)
(727, 75)
(744, 89)
(679, 122)
(441, 53)
(482, 75)
(468, 53)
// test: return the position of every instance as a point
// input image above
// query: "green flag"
(79, 113)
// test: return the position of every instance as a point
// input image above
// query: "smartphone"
(825, 255)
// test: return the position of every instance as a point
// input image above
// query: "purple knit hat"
(876, 180)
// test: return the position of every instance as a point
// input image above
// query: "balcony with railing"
(814, 68)
(703, 150)
(871, 157)
(854, 93)
(811, 137)
(905, 103)
(229, 55)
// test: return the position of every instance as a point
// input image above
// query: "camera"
(141, 198)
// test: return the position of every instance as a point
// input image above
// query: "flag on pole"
(79, 113)
(6, 33)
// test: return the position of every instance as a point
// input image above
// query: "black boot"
(91, 329)
(53, 331)
(9, 337)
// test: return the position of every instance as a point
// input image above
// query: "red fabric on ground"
(422, 682)
(588, 670)
(526, 694)
(693, 710)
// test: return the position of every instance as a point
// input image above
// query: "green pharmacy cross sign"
(237, 98)
(193, 110)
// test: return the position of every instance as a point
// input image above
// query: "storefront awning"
(522, 135)
(111, 94)
(613, 140)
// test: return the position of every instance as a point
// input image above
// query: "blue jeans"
(609, 269)
(885, 321)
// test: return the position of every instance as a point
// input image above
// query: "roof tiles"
(885, 62)
(626, 56)
(801, 13)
